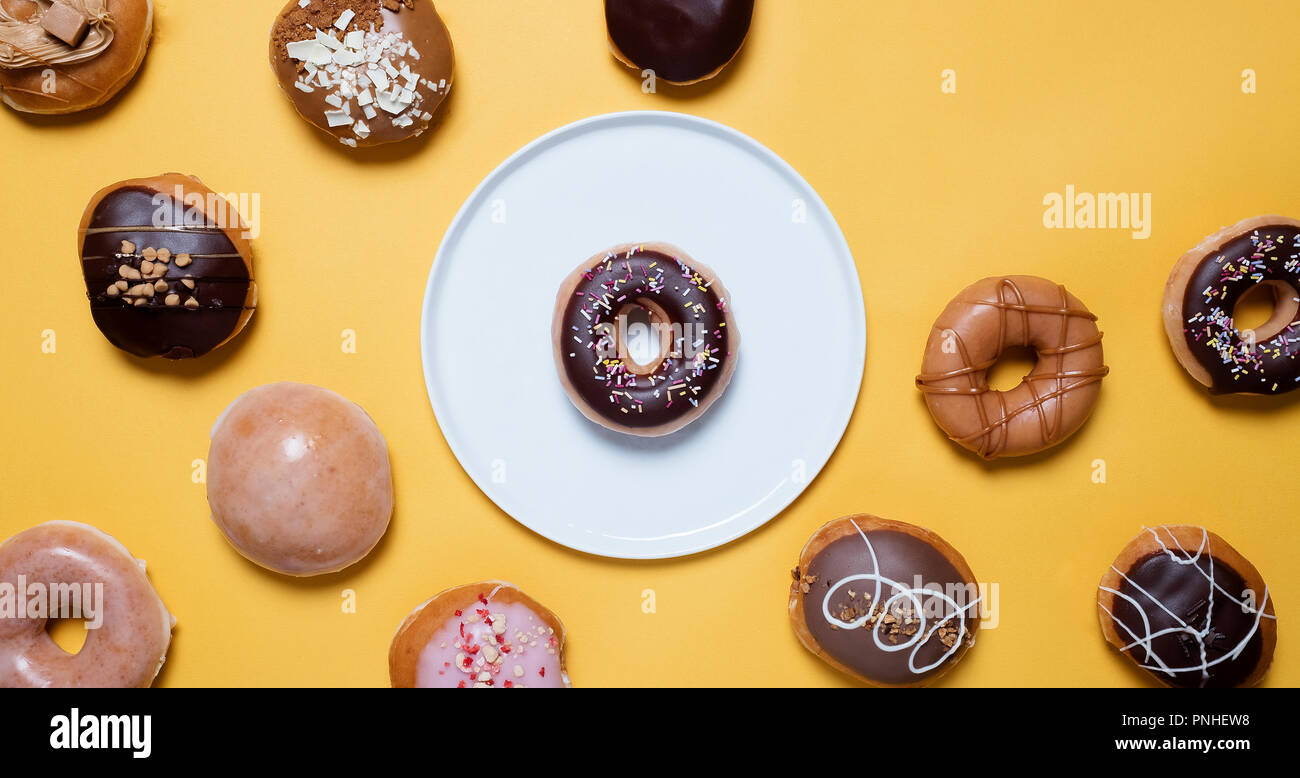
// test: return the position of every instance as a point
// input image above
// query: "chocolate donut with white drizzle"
(1189, 609)
(685, 304)
(887, 602)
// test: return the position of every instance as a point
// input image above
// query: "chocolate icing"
(419, 24)
(1185, 590)
(901, 558)
(680, 40)
(1215, 287)
(606, 385)
(219, 273)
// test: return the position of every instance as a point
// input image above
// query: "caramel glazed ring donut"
(87, 73)
(480, 635)
(1189, 609)
(1053, 400)
(126, 650)
(1202, 293)
(685, 378)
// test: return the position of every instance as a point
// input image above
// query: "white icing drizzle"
(900, 591)
(1153, 661)
(26, 44)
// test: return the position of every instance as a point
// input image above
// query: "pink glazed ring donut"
(69, 570)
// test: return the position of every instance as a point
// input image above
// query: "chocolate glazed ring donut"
(889, 603)
(969, 337)
(1188, 609)
(682, 41)
(688, 308)
(1202, 293)
(168, 266)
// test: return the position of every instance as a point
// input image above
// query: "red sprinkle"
(542, 672)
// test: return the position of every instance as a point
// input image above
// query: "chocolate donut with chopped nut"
(168, 266)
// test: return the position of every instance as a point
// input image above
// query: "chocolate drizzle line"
(977, 376)
(1216, 285)
(1182, 614)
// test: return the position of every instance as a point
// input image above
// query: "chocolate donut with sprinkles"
(1201, 297)
(633, 293)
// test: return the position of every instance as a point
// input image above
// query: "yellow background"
(933, 191)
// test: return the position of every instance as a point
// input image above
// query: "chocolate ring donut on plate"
(168, 266)
(1189, 609)
(888, 603)
(682, 41)
(63, 56)
(682, 301)
(1201, 297)
(1056, 396)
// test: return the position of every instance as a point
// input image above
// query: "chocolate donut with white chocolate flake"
(1200, 302)
(368, 72)
(888, 603)
(1188, 609)
(687, 307)
(168, 266)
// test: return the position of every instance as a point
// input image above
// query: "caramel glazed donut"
(1202, 293)
(1187, 608)
(92, 47)
(70, 567)
(686, 305)
(969, 337)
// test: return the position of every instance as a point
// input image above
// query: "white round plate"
(486, 334)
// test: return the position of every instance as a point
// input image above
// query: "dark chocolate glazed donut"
(1271, 363)
(686, 306)
(682, 41)
(888, 602)
(165, 279)
(1185, 607)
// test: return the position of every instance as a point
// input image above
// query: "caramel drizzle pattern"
(990, 445)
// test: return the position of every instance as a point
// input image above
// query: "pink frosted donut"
(68, 570)
(481, 635)
(299, 479)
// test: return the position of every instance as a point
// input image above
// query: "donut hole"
(67, 634)
(1011, 368)
(644, 336)
(1264, 310)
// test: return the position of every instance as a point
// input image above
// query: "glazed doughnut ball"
(299, 479)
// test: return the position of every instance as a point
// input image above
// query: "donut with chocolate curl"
(1056, 396)
(682, 41)
(168, 266)
(64, 56)
(689, 326)
(1188, 609)
(1201, 296)
(886, 602)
